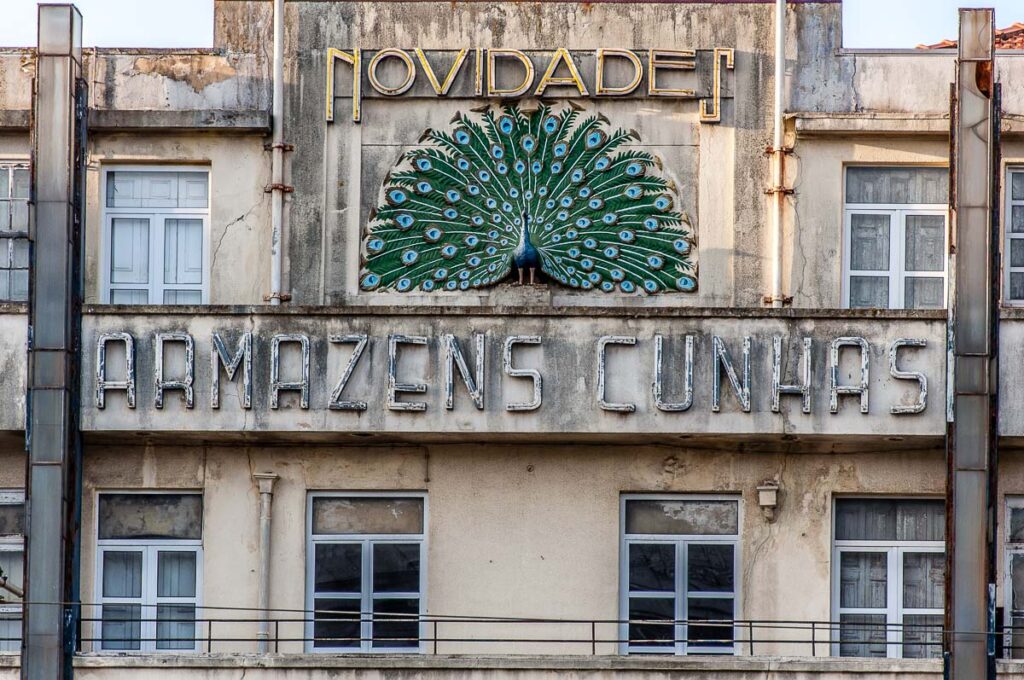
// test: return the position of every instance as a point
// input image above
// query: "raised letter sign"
(895, 372)
(276, 385)
(602, 90)
(721, 359)
(102, 384)
(522, 88)
(395, 387)
(803, 389)
(336, 404)
(453, 355)
(659, 370)
(220, 357)
(602, 343)
(185, 383)
(835, 389)
(530, 373)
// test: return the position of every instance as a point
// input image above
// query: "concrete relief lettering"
(128, 383)
(659, 377)
(803, 389)
(722, 360)
(336, 403)
(922, 396)
(394, 387)
(276, 384)
(219, 357)
(602, 345)
(861, 388)
(474, 384)
(183, 383)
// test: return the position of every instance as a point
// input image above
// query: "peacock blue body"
(521, 189)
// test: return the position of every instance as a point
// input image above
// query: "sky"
(142, 23)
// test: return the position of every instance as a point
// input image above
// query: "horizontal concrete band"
(238, 120)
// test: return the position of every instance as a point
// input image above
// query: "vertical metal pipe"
(277, 157)
(265, 480)
(778, 155)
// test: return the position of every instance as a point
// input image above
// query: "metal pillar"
(974, 293)
(54, 321)
(266, 486)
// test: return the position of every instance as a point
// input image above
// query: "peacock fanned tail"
(599, 214)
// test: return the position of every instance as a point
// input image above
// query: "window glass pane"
(924, 292)
(1016, 525)
(881, 519)
(183, 297)
(5, 210)
(5, 285)
(122, 573)
(652, 566)
(176, 626)
(1016, 637)
(396, 568)
(644, 610)
(19, 285)
(709, 567)
(129, 250)
(122, 626)
(869, 292)
(862, 579)
(129, 297)
(12, 519)
(5, 181)
(922, 636)
(395, 624)
(1017, 218)
(925, 241)
(1017, 582)
(22, 181)
(151, 515)
(19, 215)
(709, 609)
(1017, 285)
(923, 186)
(10, 630)
(183, 251)
(1017, 252)
(862, 635)
(924, 576)
(193, 190)
(338, 567)
(1017, 186)
(869, 242)
(367, 515)
(176, 574)
(19, 253)
(336, 623)
(682, 517)
(12, 562)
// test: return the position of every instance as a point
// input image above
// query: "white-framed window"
(888, 577)
(12, 563)
(1013, 578)
(156, 235)
(894, 236)
(365, 572)
(679, 565)
(149, 565)
(1013, 258)
(14, 255)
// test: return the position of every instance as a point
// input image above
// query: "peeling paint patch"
(199, 71)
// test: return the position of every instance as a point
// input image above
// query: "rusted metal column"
(52, 489)
(974, 292)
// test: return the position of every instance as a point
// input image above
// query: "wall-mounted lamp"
(768, 498)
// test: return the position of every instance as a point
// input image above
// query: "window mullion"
(897, 254)
(681, 631)
(366, 603)
(894, 636)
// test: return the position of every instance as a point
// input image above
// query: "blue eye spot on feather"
(607, 286)
(566, 201)
(627, 286)
(370, 281)
(433, 235)
(586, 264)
(473, 190)
(491, 267)
(595, 203)
(656, 261)
(529, 143)
(462, 164)
(590, 243)
(427, 285)
(424, 187)
(397, 196)
(634, 191)
(586, 285)
(513, 192)
(506, 206)
(562, 216)
(506, 125)
(556, 168)
(464, 274)
(404, 284)
(491, 203)
(560, 149)
(449, 251)
(409, 257)
(563, 278)
(595, 139)
(651, 224)
(584, 192)
(634, 169)
(519, 167)
(491, 250)
(663, 203)
(602, 163)
(501, 168)
(556, 238)
(475, 283)
(492, 234)
(477, 220)
(441, 274)
(549, 226)
(583, 222)
(497, 152)
(472, 241)
(550, 124)
(577, 176)
(611, 252)
(571, 234)
(550, 204)
(484, 176)
(404, 220)
(610, 218)
(681, 246)
(461, 136)
(375, 245)
(536, 167)
(503, 242)
(452, 196)
(423, 164)
(685, 283)
(593, 277)
(573, 252)
(451, 284)
(626, 236)
(496, 218)
(450, 213)
(574, 282)
(650, 286)
(543, 191)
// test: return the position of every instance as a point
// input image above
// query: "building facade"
(531, 402)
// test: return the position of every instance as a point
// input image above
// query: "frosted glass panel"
(128, 296)
(183, 297)
(157, 189)
(925, 241)
(924, 292)
(367, 515)
(129, 250)
(869, 242)
(869, 292)
(183, 251)
(884, 185)
(151, 516)
(682, 517)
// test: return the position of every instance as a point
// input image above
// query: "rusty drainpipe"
(778, 152)
(278, 147)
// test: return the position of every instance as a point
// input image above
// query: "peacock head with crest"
(509, 189)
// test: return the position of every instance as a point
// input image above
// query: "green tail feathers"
(598, 215)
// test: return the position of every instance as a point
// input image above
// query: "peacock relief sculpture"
(505, 193)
